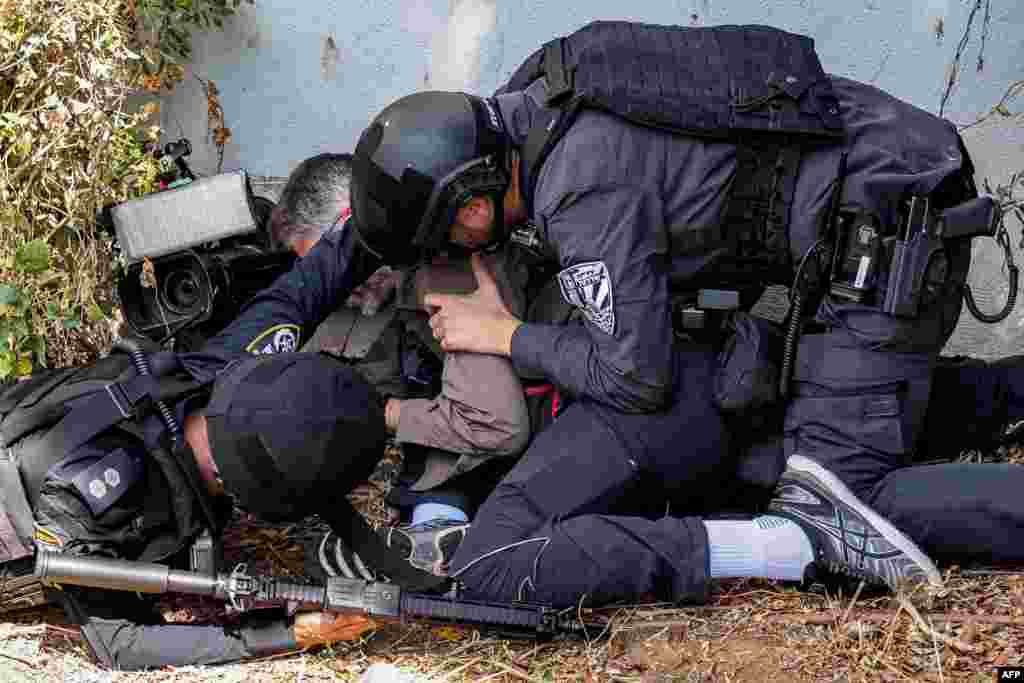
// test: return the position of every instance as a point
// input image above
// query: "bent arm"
(124, 633)
(612, 246)
(281, 317)
(126, 646)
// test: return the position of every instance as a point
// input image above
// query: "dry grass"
(750, 631)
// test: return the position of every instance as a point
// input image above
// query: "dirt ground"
(750, 631)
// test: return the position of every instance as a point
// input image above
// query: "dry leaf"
(616, 647)
(970, 632)
(147, 276)
(656, 655)
(54, 119)
(450, 633)
(77, 108)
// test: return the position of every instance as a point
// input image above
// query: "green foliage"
(166, 33)
(68, 147)
(32, 257)
(23, 345)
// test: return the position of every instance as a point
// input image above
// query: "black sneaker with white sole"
(428, 546)
(849, 538)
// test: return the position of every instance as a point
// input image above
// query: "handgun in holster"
(918, 265)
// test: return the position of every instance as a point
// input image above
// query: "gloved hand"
(337, 559)
(318, 628)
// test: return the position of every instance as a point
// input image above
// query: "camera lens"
(183, 292)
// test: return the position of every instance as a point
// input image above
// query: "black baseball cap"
(293, 433)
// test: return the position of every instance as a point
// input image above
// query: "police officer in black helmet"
(445, 171)
(419, 161)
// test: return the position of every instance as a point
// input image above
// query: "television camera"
(193, 254)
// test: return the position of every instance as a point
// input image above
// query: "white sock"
(424, 512)
(766, 547)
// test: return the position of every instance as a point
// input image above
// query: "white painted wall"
(301, 76)
(298, 77)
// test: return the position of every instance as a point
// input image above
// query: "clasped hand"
(479, 322)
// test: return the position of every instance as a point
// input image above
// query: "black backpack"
(758, 87)
(92, 462)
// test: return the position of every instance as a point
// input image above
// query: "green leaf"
(102, 70)
(9, 294)
(18, 329)
(7, 360)
(94, 314)
(32, 257)
(52, 312)
(9, 120)
(39, 348)
(71, 323)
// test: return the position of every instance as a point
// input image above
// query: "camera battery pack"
(205, 210)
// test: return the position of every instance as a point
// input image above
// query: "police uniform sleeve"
(125, 634)
(611, 246)
(283, 316)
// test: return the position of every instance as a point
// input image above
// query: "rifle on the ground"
(385, 601)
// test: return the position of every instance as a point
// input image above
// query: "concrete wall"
(298, 77)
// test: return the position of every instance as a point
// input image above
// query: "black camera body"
(194, 255)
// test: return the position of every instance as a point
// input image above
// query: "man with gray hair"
(314, 201)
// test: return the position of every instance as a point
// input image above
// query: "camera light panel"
(205, 210)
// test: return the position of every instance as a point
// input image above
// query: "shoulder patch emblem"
(277, 339)
(588, 287)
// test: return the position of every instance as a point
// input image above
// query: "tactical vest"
(757, 87)
(88, 465)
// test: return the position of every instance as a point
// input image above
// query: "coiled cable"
(141, 363)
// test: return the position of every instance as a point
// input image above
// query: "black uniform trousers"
(598, 505)
(961, 511)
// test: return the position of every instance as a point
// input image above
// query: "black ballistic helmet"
(420, 159)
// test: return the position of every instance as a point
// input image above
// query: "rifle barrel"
(120, 575)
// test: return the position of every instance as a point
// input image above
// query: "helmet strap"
(499, 231)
